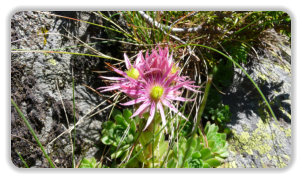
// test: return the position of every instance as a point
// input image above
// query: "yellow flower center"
(174, 69)
(156, 92)
(133, 73)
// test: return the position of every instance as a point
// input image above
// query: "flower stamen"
(156, 92)
(133, 73)
(174, 69)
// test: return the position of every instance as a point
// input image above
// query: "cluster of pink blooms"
(153, 81)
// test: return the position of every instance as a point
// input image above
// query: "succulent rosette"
(153, 82)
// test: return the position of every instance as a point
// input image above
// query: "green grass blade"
(248, 76)
(33, 133)
(23, 161)
(60, 52)
(204, 101)
(119, 27)
(257, 20)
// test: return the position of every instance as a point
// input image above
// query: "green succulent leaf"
(196, 155)
(206, 151)
(127, 114)
(116, 154)
(90, 163)
(106, 140)
(195, 163)
(116, 112)
(216, 141)
(206, 165)
(213, 162)
(120, 120)
(120, 134)
(171, 164)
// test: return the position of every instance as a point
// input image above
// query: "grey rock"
(257, 140)
(39, 99)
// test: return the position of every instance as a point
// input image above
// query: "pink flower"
(153, 82)
(128, 82)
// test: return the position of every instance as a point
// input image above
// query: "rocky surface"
(34, 81)
(257, 140)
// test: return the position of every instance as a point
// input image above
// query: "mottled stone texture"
(257, 141)
(33, 86)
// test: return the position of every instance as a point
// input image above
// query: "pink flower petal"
(170, 60)
(189, 88)
(194, 86)
(167, 72)
(140, 58)
(180, 85)
(138, 100)
(127, 62)
(119, 71)
(152, 112)
(141, 108)
(112, 78)
(110, 88)
(170, 80)
(132, 92)
(152, 70)
(167, 103)
(162, 113)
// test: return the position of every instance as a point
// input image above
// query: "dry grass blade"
(81, 120)
(66, 116)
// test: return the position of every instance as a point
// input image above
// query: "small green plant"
(215, 141)
(120, 134)
(206, 151)
(238, 51)
(221, 114)
(199, 156)
(154, 152)
(186, 127)
(91, 163)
